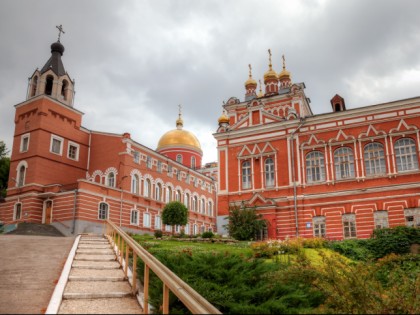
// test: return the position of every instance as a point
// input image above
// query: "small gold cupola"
(250, 86)
(284, 76)
(271, 80)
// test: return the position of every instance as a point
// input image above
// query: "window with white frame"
(319, 226)
(381, 219)
(177, 228)
(202, 229)
(349, 225)
(195, 182)
(412, 217)
(374, 157)
(246, 175)
(405, 155)
(344, 163)
(187, 179)
(315, 168)
(73, 151)
(269, 172)
(147, 187)
(103, 211)
(135, 180)
(18, 211)
(179, 158)
(146, 219)
(21, 176)
(158, 192)
(168, 228)
(134, 217)
(168, 194)
(136, 157)
(169, 170)
(178, 195)
(56, 145)
(187, 200)
(193, 162)
(178, 175)
(195, 203)
(159, 166)
(110, 179)
(195, 229)
(24, 142)
(187, 229)
(158, 222)
(149, 162)
(210, 208)
(203, 206)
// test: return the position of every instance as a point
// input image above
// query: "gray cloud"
(135, 61)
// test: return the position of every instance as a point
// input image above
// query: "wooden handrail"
(171, 282)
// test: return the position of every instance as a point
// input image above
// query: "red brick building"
(337, 175)
(64, 174)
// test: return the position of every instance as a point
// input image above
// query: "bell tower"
(53, 79)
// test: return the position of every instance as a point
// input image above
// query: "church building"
(336, 175)
(64, 174)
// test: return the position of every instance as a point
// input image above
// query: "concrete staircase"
(97, 283)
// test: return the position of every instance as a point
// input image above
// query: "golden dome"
(179, 138)
(270, 74)
(223, 119)
(250, 80)
(284, 73)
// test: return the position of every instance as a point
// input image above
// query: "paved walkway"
(30, 266)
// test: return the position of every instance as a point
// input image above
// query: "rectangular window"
(349, 225)
(158, 224)
(56, 145)
(187, 229)
(149, 162)
(24, 142)
(170, 170)
(168, 228)
(178, 175)
(146, 219)
(159, 166)
(136, 157)
(412, 217)
(73, 151)
(18, 211)
(103, 211)
(134, 218)
(381, 219)
(319, 226)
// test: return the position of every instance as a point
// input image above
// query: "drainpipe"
(302, 122)
(74, 212)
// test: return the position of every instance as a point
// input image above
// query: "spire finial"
(250, 71)
(284, 62)
(260, 86)
(60, 30)
(179, 121)
(269, 59)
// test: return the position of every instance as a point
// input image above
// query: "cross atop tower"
(269, 58)
(60, 30)
(284, 62)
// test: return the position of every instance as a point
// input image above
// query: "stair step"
(94, 273)
(87, 278)
(96, 265)
(127, 305)
(95, 252)
(92, 287)
(93, 246)
(84, 257)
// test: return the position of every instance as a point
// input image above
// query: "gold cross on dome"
(284, 62)
(269, 57)
(60, 30)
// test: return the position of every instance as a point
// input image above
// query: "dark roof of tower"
(55, 63)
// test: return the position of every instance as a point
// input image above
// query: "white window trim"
(146, 214)
(71, 143)
(99, 210)
(61, 144)
(158, 219)
(15, 211)
(24, 136)
(137, 217)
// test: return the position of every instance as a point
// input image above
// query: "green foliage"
(158, 233)
(207, 234)
(175, 213)
(4, 168)
(244, 223)
(353, 249)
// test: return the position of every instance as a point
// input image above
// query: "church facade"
(337, 175)
(64, 174)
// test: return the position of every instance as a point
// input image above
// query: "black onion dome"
(58, 47)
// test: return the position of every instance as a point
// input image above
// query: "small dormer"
(53, 80)
(338, 104)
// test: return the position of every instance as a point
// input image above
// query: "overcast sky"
(135, 61)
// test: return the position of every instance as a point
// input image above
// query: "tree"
(244, 223)
(175, 213)
(4, 169)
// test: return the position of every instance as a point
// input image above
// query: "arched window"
(195, 229)
(187, 229)
(110, 181)
(158, 192)
(193, 162)
(187, 200)
(195, 203)
(135, 184)
(49, 85)
(168, 194)
(315, 168)
(344, 163)
(210, 209)
(405, 155)
(269, 172)
(34, 85)
(179, 158)
(147, 187)
(374, 159)
(103, 211)
(64, 87)
(178, 195)
(246, 175)
(203, 206)
(21, 176)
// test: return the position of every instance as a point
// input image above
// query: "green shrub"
(353, 249)
(207, 234)
(158, 233)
